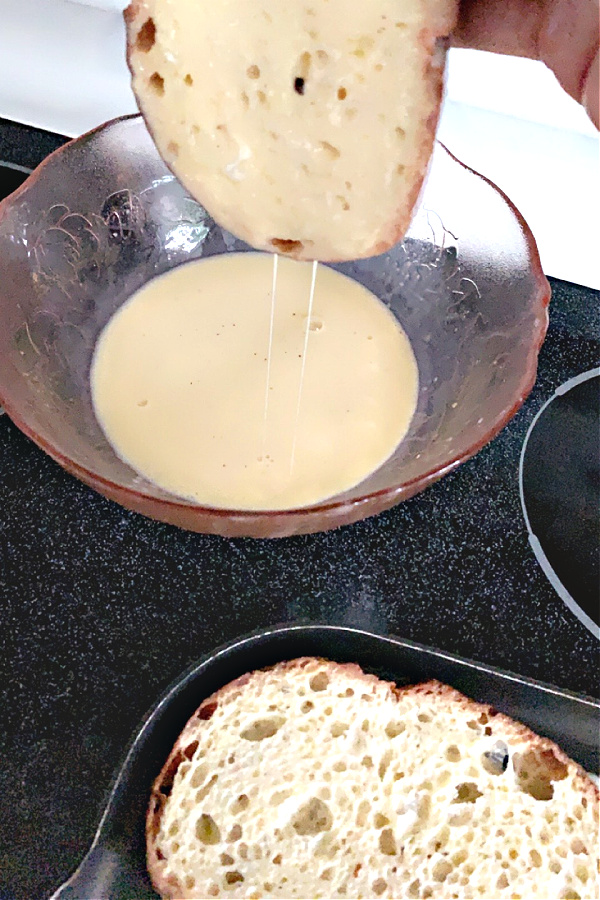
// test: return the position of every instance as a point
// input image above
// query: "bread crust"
(170, 888)
(435, 77)
(130, 13)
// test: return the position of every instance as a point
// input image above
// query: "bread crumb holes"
(262, 729)
(393, 729)
(319, 682)
(157, 84)
(312, 818)
(467, 792)
(207, 830)
(146, 36)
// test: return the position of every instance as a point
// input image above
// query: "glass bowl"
(103, 214)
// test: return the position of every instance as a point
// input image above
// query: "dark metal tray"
(115, 866)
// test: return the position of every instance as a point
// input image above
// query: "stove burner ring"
(559, 486)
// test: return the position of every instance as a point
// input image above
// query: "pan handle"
(96, 878)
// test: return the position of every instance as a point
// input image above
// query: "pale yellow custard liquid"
(179, 383)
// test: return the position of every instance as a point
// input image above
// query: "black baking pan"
(115, 866)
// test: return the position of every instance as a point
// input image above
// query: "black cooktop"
(102, 608)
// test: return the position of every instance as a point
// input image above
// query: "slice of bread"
(313, 779)
(303, 128)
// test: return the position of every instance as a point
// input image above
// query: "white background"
(62, 68)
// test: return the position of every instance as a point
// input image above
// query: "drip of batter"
(270, 347)
(178, 383)
(311, 300)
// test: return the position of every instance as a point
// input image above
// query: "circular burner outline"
(533, 540)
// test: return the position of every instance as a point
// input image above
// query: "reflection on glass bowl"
(103, 214)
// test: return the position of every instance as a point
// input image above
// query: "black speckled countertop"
(102, 608)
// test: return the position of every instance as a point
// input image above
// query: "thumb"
(591, 88)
